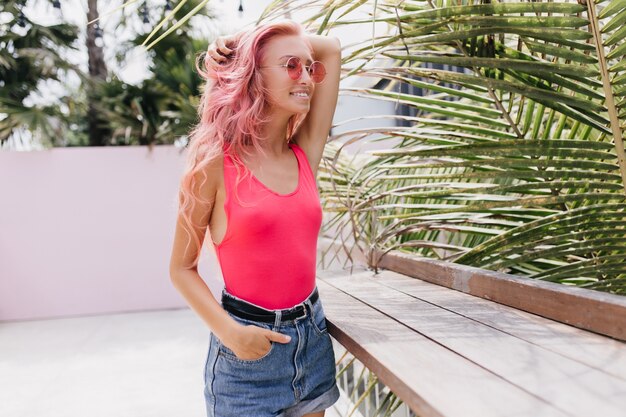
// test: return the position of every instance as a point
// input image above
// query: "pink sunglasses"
(316, 70)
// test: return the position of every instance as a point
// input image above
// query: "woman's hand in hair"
(220, 50)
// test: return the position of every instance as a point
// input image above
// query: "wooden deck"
(445, 352)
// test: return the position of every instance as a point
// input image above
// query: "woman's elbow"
(178, 272)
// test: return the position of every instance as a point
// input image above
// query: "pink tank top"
(268, 254)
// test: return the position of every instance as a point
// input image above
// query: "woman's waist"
(273, 295)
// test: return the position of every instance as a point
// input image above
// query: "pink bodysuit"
(268, 254)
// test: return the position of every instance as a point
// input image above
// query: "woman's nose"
(306, 77)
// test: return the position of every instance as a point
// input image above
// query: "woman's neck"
(274, 135)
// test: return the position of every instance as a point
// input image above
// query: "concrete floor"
(144, 364)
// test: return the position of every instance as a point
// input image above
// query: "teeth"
(300, 94)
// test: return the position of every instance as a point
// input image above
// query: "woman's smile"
(301, 96)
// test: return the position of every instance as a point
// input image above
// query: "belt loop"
(279, 314)
(308, 304)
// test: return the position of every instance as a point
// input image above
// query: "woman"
(250, 184)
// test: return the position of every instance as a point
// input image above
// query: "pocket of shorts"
(319, 319)
(229, 354)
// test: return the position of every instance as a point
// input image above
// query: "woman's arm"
(247, 342)
(185, 278)
(313, 132)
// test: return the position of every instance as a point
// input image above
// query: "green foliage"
(162, 108)
(26, 61)
(158, 110)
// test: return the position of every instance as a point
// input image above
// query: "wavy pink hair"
(232, 112)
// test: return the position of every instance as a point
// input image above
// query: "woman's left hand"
(218, 51)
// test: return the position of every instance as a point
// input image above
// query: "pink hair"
(232, 111)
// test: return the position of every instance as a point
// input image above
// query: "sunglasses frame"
(299, 71)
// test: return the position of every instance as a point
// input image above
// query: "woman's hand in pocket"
(253, 342)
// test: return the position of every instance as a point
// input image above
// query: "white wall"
(89, 231)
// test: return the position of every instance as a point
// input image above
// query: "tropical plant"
(514, 160)
(26, 60)
(162, 108)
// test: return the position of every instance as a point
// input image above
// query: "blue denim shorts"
(290, 380)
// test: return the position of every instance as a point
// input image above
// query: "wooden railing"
(595, 311)
(451, 340)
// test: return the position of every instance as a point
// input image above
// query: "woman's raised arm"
(313, 132)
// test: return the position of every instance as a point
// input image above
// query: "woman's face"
(280, 86)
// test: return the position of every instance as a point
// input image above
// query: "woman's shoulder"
(210, 176)
(215, 168)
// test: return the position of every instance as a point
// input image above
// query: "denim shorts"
(290, 380)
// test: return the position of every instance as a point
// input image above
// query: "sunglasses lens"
(317, 71)
(294, 69)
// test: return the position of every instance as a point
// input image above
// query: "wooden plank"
(431, 379)
(595, 311)
(600, 352)
(570, 386)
